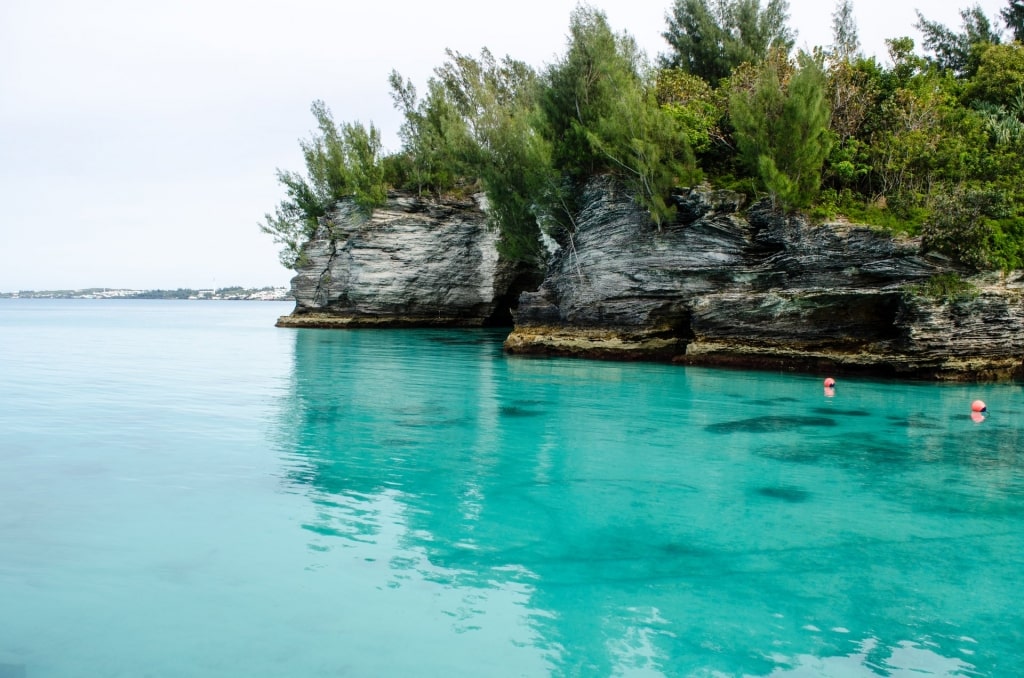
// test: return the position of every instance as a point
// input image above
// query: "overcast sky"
(139, 139)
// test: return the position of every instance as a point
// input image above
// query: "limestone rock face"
(761, 290)
(414, 262)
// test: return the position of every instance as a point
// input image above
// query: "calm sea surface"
(187, 491)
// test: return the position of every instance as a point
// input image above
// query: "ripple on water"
(792, 453)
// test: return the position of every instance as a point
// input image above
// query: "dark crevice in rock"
(521, 278)
(323, 281)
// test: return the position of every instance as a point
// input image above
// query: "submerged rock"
(761, 289)
(416, 262)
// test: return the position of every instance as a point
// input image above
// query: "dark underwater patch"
(392, 443)
(431, 423)
(793, 495)
(323, 414)
(414, 423)
(676, 550)
(769, 424)
(915, 422)
(841, 413)
(516, 411)
(773, 401)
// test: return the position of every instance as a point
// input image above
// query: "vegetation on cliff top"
(929, 143)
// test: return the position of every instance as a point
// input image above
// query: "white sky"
(139, 139)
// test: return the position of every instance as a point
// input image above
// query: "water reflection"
(905, 659)
(605, 519)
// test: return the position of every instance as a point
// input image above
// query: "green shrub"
(963, 226)
(949, 286)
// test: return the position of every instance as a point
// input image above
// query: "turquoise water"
(187, 491)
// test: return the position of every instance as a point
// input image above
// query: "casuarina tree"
(782, 129)
(709, 38)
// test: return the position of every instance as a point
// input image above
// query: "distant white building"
(274, 294)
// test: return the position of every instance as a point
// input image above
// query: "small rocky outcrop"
(760, 289)
(416, 262)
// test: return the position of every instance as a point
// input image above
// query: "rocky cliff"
(718, 286)
(416, 262)
(758, 289)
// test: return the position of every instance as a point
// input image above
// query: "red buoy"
(978, 406)
(830, 382)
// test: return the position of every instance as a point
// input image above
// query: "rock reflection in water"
(601, 519)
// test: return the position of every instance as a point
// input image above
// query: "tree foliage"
(498, 101)
(930, 143)
(782, 129)
(958, 52)
(845, 41)
(584, 87)
(999, 78)
(603, 115)
(962, 226)
(697, 108)
(434, 138)
(341, 162)
(647, 148)
(709, 38)
(1013, 17)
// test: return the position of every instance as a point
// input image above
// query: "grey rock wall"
(415, 262)
(761, 290)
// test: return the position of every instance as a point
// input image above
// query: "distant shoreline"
(181, 294)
